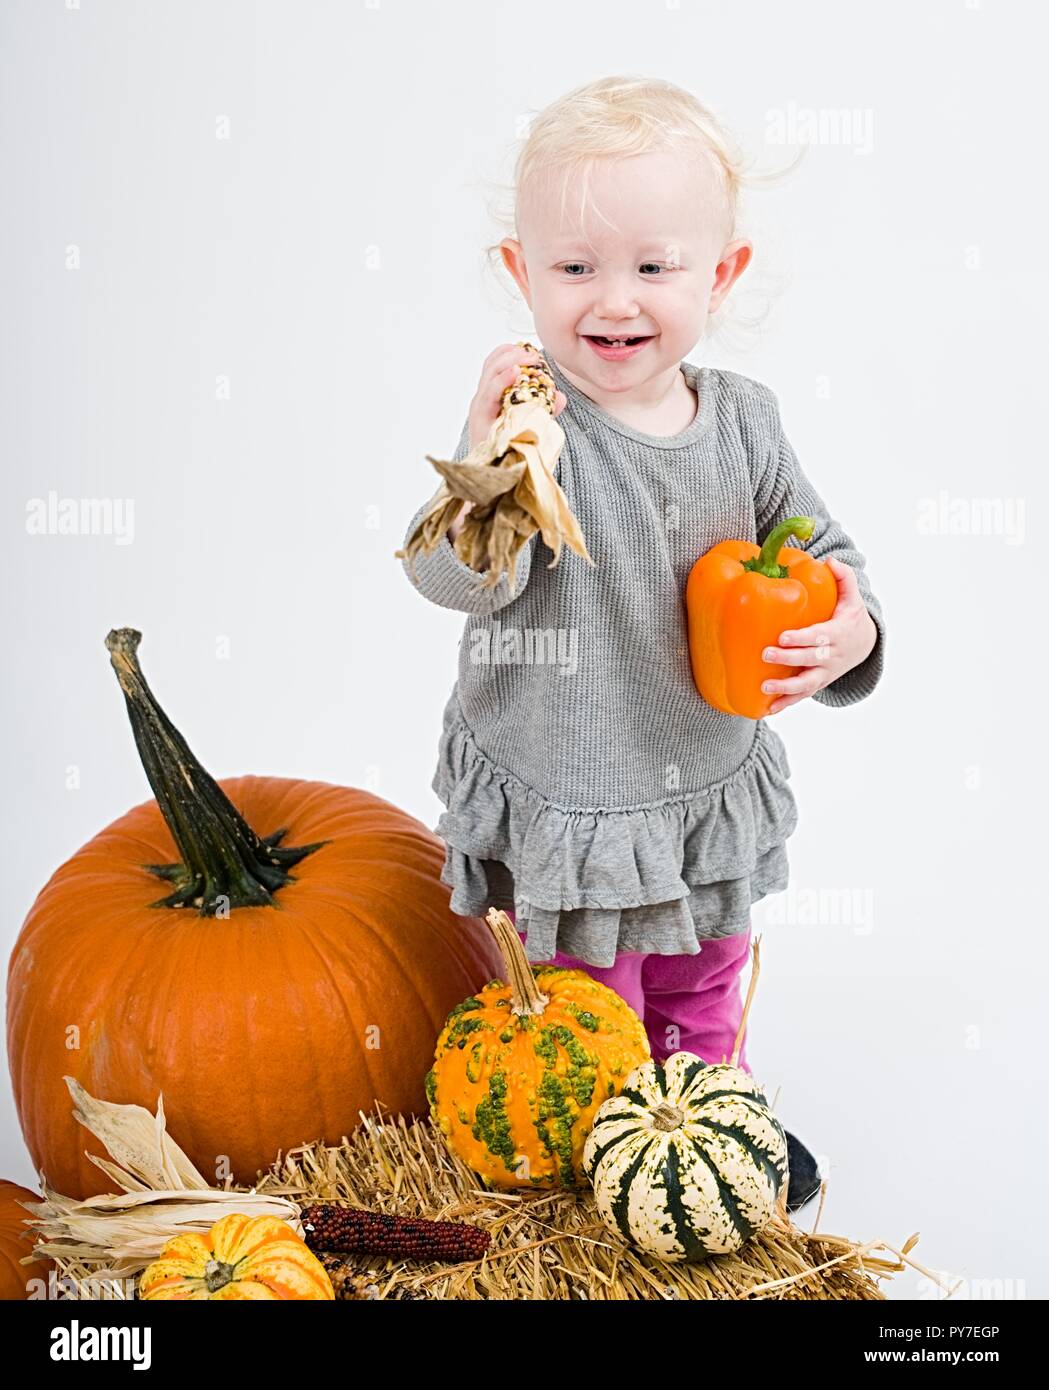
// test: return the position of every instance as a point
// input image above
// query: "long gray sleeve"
(783, 490)
(445, 580)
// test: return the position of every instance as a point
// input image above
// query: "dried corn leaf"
(509, 479)
(146, 1157)
(477, 482)
(119, 1233)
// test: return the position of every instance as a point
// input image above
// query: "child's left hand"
(827, 650)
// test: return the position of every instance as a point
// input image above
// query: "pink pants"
(687, 1003)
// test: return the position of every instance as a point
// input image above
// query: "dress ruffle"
(573, 876)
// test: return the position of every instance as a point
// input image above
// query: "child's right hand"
(500, 370)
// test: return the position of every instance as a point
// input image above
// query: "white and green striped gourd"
(688, 1160)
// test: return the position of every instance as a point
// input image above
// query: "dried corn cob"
(354, 1230)
(350, 1284)
(347, 1282)
(509, 478)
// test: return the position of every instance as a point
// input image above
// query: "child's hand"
(827, 650)
(500, 370)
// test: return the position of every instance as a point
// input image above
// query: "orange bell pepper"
(738, 600)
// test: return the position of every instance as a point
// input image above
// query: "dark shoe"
(804, 1175)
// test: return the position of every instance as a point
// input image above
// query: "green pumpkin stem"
(224, 864)
(528, 998)
(767, 561)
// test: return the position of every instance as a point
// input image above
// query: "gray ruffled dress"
(586, 783)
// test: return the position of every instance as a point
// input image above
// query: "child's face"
(657, 273)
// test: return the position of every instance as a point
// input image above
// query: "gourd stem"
(224, 864)
(217, 1274)
(527, 998)
(667, 1117)
(767, 561)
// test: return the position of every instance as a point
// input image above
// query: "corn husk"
(509, 478)
(115, 1236)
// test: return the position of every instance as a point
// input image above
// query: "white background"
(327, 258)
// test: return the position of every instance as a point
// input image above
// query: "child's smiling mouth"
(616, 349)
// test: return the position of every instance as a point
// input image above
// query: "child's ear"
(733, 262)
(513, 258)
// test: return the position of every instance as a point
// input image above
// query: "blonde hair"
(618, 117)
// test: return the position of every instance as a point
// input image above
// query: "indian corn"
(509, 479)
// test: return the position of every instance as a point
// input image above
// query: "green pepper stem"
(767, 560)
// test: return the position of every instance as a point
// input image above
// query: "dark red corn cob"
(353, 1230)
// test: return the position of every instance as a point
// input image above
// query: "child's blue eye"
(569, 266)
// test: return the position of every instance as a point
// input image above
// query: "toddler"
(624, 823)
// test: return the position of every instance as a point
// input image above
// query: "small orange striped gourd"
(242, 1257)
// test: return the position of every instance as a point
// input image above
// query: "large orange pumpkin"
(16, 1241)
(268, 1006)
